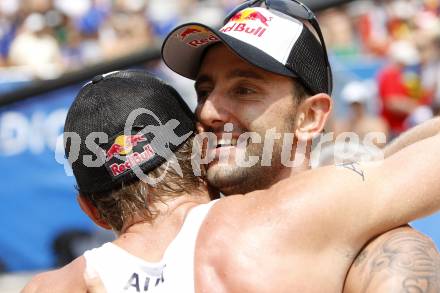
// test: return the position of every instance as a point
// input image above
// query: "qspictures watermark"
(129, 150)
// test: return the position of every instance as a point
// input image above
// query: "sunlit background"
(49, 48)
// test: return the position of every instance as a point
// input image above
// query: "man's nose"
(213, 112)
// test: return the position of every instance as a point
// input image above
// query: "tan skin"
(278, 240)
(147, 241)
(218, 105)
(294, 236)
(253, 100)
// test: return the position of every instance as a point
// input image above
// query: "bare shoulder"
(229, 218)
(401, 260)
(233, 233)
(66, 279)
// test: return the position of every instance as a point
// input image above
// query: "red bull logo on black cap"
(122, 150)
(124, 144)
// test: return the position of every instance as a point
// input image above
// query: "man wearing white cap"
(265, 69)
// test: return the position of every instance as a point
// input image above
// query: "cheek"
(280, 117)
(245, 116)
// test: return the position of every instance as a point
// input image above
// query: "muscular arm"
(376, 196)
(371, 198)
(402, 260)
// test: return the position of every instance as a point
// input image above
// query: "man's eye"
(243, 91)
(202, 95)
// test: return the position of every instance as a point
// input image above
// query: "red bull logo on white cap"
(249, 21)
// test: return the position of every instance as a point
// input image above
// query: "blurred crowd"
(48, 37)
(404, 35)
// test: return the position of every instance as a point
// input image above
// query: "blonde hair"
(139, 198)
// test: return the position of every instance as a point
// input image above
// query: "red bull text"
(241, 23)
(242, 27)
(132, 160)
(200, 42)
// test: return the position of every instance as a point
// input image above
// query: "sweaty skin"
(401, 260)
(229, 90)
(304, 232)
(218, 105)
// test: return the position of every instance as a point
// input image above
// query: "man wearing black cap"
(262, 70)
(171, 238)
(122, 126)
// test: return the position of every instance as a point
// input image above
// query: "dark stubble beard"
(233, 179)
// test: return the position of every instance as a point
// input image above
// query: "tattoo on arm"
(412, 263)
(355, 167)
(360, 258)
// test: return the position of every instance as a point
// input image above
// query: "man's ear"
(312, 116)
(91, 211)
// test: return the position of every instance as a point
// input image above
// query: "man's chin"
(225, 177)
(230, 179)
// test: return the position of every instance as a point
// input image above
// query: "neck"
(149, 240)
(167, 210)
(300, 164)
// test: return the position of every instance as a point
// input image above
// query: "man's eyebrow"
(238, 73)
(201, 79)
(245, 74)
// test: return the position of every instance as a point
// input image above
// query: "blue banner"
(38, 200)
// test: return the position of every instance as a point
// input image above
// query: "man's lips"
(226, 147)
(222, 146)
(226, 142)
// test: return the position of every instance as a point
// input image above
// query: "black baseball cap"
(266, 38)
(120, 121)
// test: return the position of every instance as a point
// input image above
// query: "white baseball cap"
(266, 38)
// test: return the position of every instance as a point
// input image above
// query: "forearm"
(411, 189)
(422, 131)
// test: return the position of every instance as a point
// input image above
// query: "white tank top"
(121, 271)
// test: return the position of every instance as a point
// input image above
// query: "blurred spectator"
(356, 95)
(35, 6)
(371, 20)
(400, 87)
(36, 48)
(122, 31)
(8, 27)
(428, 41)
(339, 32)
